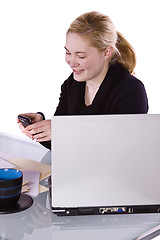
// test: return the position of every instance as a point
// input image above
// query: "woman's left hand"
(40, 131)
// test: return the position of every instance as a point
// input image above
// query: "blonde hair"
(101, 33)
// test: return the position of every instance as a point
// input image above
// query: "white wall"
(32, 39)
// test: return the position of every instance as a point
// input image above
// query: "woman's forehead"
(77, 43)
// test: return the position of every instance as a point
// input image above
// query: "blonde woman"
(102, 63)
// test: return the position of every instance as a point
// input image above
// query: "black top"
(119, 93)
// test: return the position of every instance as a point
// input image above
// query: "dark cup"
(10, 187)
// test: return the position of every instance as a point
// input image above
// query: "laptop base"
(106, 210)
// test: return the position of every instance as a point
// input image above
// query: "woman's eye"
(81, 57)
(68, 53)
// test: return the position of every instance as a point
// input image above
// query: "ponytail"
(125, 55)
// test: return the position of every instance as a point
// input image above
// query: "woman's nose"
(73, 62)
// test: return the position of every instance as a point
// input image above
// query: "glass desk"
(38, 222)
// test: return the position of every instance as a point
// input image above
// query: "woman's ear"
(108, 52)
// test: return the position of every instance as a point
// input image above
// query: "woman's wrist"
(41, 115)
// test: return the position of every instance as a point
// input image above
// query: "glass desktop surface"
(38, 221)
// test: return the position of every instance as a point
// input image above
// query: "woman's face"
(86, 61)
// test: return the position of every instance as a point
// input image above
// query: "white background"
(32, 39)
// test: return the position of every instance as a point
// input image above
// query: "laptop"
(105, 164)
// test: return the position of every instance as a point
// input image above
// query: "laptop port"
(112, 210)
(130, 210)
(87, 211)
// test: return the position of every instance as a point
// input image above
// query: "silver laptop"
(105, 164)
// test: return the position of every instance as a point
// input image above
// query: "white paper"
(33, 181)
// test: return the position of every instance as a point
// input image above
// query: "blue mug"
(10, 187)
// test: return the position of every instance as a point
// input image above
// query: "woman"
(102, 63)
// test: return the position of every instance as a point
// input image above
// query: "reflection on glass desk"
(38, 222)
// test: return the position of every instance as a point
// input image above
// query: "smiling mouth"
(77, 71)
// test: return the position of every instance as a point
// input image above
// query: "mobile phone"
(24, 120)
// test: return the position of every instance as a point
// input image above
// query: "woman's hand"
(40, 127)
(40, 131)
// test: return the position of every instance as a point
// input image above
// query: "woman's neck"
(90, 93)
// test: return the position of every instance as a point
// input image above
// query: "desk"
(38, 222)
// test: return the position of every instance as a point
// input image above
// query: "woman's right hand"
(35, 117)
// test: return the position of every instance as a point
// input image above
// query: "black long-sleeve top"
(119, 93)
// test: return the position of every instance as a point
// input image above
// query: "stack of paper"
(33, 172)
(30, 182)
(30, 167)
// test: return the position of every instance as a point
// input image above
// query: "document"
(32, 181)
(33, 172)
(27, 164)
(24, 164)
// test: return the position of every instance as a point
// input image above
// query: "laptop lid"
(105, 164)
